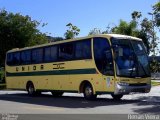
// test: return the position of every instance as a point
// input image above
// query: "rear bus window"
(16, 58)
(9, 58)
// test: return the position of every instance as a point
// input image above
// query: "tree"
(156, 12)
(72, 32)
(154, 23)
(54, 39)
(95, 31)
(17, 31)
(147, 28)
(136, 15)
(126, 28)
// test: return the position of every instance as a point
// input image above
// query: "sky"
(85, 14)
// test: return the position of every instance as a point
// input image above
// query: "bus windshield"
(130, 58)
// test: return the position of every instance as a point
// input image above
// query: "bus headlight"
(123, 83)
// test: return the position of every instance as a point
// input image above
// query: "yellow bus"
(94, 65)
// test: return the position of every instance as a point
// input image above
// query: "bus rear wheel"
(56, 94)
(30, 89)
(88, 92)
(116, 97)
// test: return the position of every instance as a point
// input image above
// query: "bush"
(2, 76)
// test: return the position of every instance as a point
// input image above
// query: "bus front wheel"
(116, 97)
(30, 89)
(88, 92)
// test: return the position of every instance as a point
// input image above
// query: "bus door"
(104, 62)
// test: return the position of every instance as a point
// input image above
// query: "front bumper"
(119, 89)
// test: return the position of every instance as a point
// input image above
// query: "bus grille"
(138, 90)
(138, 84)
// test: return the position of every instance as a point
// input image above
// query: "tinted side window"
(47, 54)
(37, 55)
(26, 57)
(50, 54)
(83, 49)
(54, 53)
(16, 58)
(103, 56)
(9, 58)
(66, 51)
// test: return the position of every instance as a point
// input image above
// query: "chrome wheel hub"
(88, 91)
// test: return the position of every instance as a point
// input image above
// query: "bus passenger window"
(37, 55)
(25, 57)
(83, 49)
(66, 51)
(16, 58)
(54, 53)
(47, 54)
(9, 59)
(50, 54)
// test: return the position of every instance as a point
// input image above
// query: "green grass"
(1, 73)
(2, 76)
(2, 85)
(154, 83)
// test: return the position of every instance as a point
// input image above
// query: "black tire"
(116, 97)
(88, 92)
(56, 94)
(30, 89)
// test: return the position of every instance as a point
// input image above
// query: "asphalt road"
(18, 102)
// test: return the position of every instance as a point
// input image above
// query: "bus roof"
(76, 39)
(123, 36)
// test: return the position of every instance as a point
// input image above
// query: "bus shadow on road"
(151, 103)
(63, 101)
